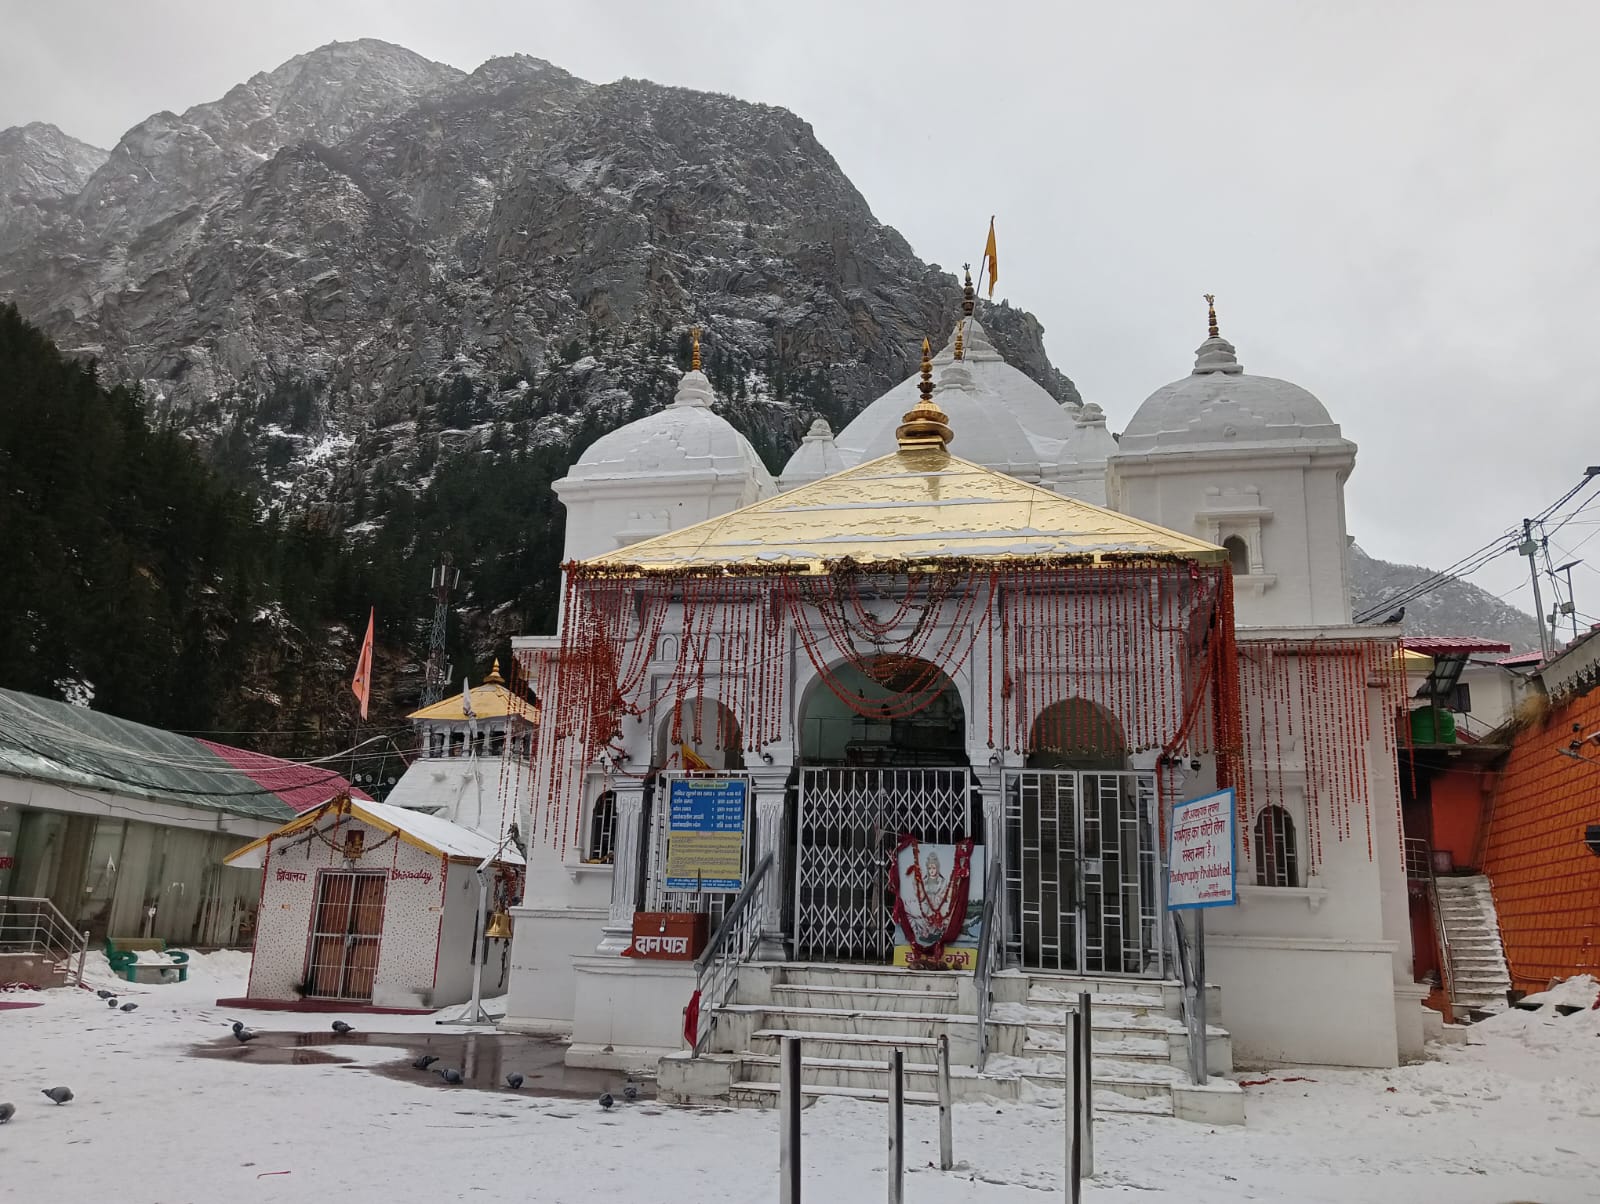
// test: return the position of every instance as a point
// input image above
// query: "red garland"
(932, 956)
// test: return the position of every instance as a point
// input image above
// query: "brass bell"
(499, 927)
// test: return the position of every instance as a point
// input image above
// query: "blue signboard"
(1201, 868)
(706, 820)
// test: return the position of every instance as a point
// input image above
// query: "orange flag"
(361, 683)
(992, 256)
(692, 759)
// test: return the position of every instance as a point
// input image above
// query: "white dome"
(1091, 442)
(1009, 401)
(1217, 406)
(683, 438)
(815, 458)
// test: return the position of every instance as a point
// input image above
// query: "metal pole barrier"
(789, 1122)
(1199, 1061)
(83, 952)
(897, 1127)
(947, 1156)
(1072, 1048)
(1086, 1096)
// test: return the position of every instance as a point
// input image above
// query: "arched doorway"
(882, 755)
(1077, 734)
(1081, 852)
(703, 734)
(888, 710)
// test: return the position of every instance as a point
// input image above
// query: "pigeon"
(340, 1027)
(59, 1094)
(105, 994)
(7, 1111)
(424, 1061)
(606, 1101)
(128, 1007)
(111, 1001)
(237, 1025)
(514, 1081)
(450, 1075)
(243, 1034)
(630, 1091)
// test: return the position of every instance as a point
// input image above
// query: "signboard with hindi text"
(706, 822)
(1201, 867)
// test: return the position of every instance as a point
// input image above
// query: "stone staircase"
(850, 1019)
(1479, 978)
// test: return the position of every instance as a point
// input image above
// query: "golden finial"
(1211, 316)
(960, 322)
(925, 425)
(494, 678)
(966, 291)
(694, 349)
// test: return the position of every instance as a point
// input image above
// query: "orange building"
(1546, 881)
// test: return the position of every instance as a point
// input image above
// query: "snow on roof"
(418, 828)
(49, 741)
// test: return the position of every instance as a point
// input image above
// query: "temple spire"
(925, 425)
(967, 293)
(1211, 317)
(694, 349)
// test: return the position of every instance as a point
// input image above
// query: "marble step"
(748, 1093)
(919, 1051)
(867, 998)
(801, 974)
(921, 1077)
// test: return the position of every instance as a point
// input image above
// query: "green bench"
(123, 954)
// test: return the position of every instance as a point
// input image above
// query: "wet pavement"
(484, 1060)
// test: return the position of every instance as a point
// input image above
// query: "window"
(602, 828)
(1238, 555)
(1277, 862)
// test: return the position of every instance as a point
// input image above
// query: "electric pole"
(1529, 547)
(443, 579)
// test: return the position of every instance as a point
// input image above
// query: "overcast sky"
(1398, 205)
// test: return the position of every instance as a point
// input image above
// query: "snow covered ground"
(1513, 1117)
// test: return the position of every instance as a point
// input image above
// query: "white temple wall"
(606, 514)
(1287, 507)
(1320, 973)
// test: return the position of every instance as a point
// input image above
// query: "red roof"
(301, 787)
(1452, 645)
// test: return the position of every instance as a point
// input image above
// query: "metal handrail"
(1187, 959)
(49, 933)
(988, 951)
(734, 942)
(1424, 856)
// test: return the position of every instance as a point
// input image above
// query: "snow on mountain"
(362, 260)
(39, 166)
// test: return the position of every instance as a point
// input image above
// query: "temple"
(900, 733)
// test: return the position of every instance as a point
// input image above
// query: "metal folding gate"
(1083, 872)
(847, 825)
(346, 928)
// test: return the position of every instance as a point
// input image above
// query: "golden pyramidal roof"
(491, 700)
(917, 504)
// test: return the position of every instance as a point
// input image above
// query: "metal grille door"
(345, 930)
(1083, 872)
(849, 823)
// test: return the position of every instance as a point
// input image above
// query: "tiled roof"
(47, 741)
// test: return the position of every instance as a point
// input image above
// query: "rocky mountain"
(300, 271)
(404, 297)
(1456, 608)
(40, 168)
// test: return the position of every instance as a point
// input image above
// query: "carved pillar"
(770, 783)
(627, 866)
(991, 783)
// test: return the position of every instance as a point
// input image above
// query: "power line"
(1474, 560)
